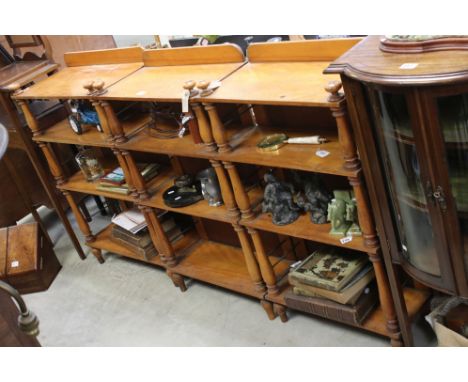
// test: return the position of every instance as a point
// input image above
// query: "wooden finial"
(333, 87)
(203, 85)
(89, 86)
(189, 85)
(98, 85)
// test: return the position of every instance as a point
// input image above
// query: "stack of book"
(114, 181)
(333, 285)
(130, 229)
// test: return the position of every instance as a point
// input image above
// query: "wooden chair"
(17, 42)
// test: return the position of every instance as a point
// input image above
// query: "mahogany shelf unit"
(233, 246)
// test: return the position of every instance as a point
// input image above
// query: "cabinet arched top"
(368, 63)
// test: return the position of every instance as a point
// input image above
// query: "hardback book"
(123, 189)
(328, 269)
(354, 314)
(348, 295)
(115, 177)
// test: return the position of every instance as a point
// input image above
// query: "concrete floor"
(127, 303)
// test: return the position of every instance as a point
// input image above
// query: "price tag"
(409, 66)
(185, 99)
(322, 153)
(15, 264)
(346, 239)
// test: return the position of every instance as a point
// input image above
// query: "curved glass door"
(453, 122)
(402, 168)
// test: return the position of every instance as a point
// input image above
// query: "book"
(348, 295)
(326, 268)
(132, 220)
(123, 189)
(354, 314)
(115, 177)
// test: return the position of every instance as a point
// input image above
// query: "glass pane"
(453, 120)
(408, 199)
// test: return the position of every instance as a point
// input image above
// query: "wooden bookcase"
(233, 246)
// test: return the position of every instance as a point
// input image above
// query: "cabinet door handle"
(440, 198)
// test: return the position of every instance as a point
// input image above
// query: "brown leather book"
(353, 314)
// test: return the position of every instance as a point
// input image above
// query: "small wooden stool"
(27, 260)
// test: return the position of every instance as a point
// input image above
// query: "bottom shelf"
(104, 241)
(375, 322)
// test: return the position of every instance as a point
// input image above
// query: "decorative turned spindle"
(135, 175)
(217, 128)
(268, 307)
(266, 268)
(102, 119)
(53, 163)
(127, 173)
(226, 190)
(345, 135)
(204, 127)
(82, 223)
(242, 199)
(30, 118)
(98, 87)
(98, 255)
(250, 261)
(114, 124)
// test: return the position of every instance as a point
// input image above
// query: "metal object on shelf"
(276, 141)
(210, 187)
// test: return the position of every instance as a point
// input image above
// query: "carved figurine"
(342, 213)
(278, 200)
(316, 197)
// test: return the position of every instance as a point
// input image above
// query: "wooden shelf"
(303, 228)
(291, 156)
(63, 133)
(375, 322)
(156, 188)
(68, 82)
(104, 241)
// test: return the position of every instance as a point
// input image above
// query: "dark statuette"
(315, 198)
(278, 200)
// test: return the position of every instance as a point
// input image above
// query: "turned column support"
(113, 123)
(386, 300)
(266, 269)
(217, 128)
(29, 116)
(241, 197)
(127, 173)
(226, 190)
(135, 175)
(53, 163)
(158, 236)
(204, 127)
(80, 219)
(345, 135)
(250, 260)
(366, 222)
(103, 119)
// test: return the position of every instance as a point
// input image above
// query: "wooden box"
(27, 260)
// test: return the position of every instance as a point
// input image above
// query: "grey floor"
(126, 303)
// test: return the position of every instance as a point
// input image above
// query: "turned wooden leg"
(178, 280)
(280, 310)
(250, 261)
(204, 127)
(103, 120)
(242, 199)
(127, 173)
(266, 269)
(159, 237)
(29, 116)
(135, 175)
(345, 136)
(217, 128)
(268, 307)
(226, 190)
(81, 221)
(98, 255)
(113, 123)
(53, 163)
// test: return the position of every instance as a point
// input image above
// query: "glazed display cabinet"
(410, 117)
